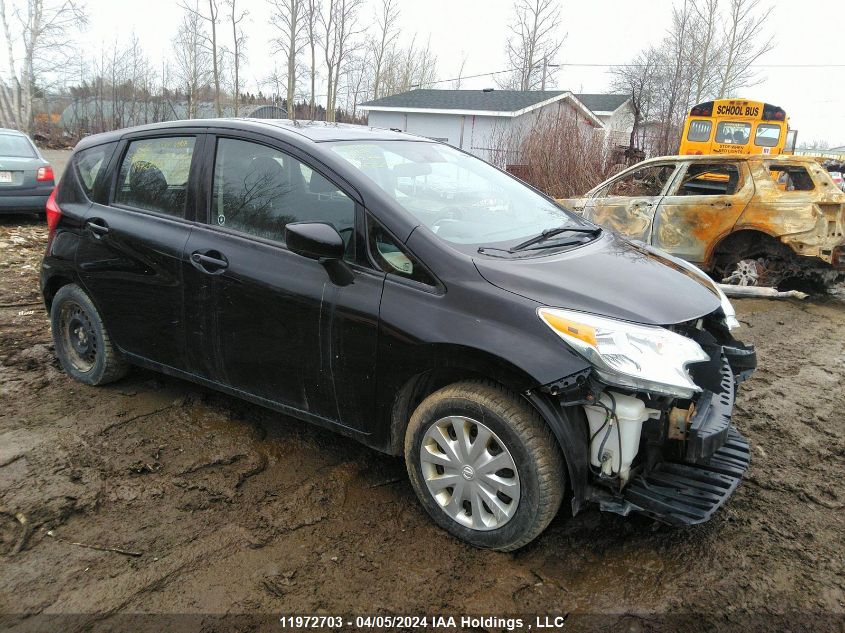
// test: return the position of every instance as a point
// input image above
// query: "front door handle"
(98, 227)
(721, 205)
(209, 261)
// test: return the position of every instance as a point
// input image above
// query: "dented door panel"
(688, 226)
(631, 215)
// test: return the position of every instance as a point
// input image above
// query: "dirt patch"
(235, 509)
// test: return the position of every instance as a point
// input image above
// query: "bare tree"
(41, 30)
(637, 81)
(533, 44)
(704, 47)
(340, 27)
(238, 50)
(409, 68)
(359, 79)
(456, 84)
(743, 45)
(386, 33)
(707, 52)
(192, 59)
(313, 9)
(289, 18)
(209, 42)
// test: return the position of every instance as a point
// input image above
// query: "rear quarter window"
(90, 166)
(791, 177)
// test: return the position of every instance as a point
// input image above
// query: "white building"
(614, 112)
(473, 119)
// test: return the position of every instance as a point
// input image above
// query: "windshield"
(15, 146)
(460, 198)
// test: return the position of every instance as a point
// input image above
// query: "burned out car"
(749, 220)
(408, 295)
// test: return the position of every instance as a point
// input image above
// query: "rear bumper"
(35, 202)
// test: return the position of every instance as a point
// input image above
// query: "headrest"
(267, 171)
(318, 184)
(146, 180)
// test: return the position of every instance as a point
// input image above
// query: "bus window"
(767, 135)
(734, 132)
(699, 131)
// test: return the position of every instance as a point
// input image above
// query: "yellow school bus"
(737, 126)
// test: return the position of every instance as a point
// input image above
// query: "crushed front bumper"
(691, 486)
(686, 494)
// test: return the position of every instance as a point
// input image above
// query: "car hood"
(610, 277)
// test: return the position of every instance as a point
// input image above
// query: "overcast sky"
(809, 32)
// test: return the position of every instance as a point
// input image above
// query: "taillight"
(54, 214)
(44, 174)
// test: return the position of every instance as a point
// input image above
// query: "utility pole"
(545, 66)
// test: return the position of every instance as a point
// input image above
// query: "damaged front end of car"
(658, 404)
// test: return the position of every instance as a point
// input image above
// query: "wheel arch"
(52, 285)
(740, 241)
(569, 425)
(447, 364)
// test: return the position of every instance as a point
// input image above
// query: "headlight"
(643, 357)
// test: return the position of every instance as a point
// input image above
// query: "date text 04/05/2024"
(545, 622)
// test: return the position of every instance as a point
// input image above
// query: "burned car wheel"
(750, 272)
(83, 346)
(484, 465)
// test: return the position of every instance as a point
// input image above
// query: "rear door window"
(709, 179)
(154, 174)
(16, 146)
(767, 135)
(733, 132)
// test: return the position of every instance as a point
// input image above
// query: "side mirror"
(314, 240)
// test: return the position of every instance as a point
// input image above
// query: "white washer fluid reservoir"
(630, 412)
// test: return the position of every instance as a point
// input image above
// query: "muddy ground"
(233, 509)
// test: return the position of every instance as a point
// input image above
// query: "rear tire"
(82, 343)
(455, 439)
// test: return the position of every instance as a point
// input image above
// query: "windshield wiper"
(549, 233)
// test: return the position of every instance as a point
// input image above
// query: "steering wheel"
(453, 214)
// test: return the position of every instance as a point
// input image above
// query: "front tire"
(82, 343)
(484, 465)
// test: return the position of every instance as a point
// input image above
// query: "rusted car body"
(752, 220)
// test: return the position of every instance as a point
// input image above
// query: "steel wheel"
(470, 473)
(79, 336)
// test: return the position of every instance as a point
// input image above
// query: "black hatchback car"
(413, 297)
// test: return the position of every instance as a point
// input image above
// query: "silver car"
(26, 179)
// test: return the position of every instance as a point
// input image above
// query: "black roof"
(480, 100)
(601, 102)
